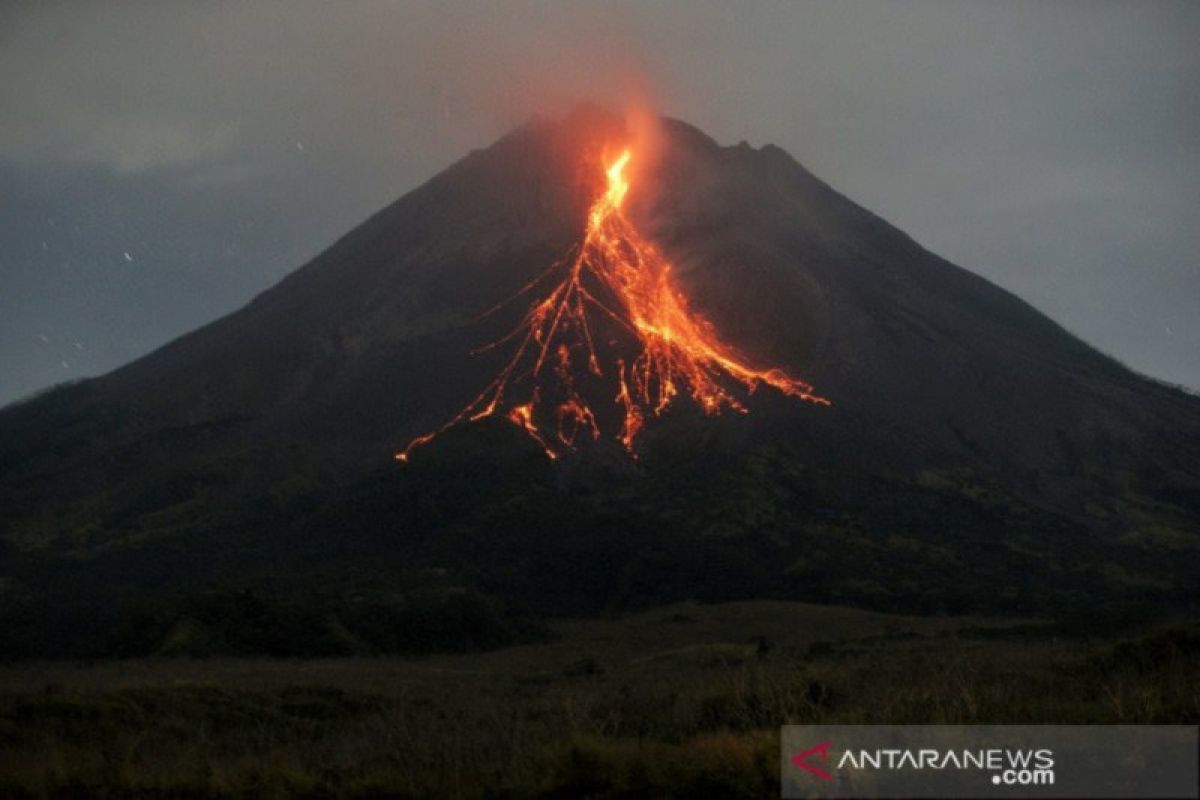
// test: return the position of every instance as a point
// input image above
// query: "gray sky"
(161, 163)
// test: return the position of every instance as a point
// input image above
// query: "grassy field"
(682, 701)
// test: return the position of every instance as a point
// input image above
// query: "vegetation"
(445, 588)
(480, 538)
(683, 701)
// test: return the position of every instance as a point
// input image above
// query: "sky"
(161, 163)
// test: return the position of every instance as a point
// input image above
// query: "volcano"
(726, 351)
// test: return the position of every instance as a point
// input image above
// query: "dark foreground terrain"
(680, 701)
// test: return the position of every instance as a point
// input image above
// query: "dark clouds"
(1054, 148)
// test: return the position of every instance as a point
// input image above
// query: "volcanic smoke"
(613, 280)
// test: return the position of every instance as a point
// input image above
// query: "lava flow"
(614, 280)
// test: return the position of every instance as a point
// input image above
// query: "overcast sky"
(161, 163)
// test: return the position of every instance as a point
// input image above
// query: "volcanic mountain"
(974, 453)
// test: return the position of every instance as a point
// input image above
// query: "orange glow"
(618, 279)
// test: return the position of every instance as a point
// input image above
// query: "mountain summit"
(944, 388)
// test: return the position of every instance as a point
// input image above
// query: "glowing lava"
(616, 280)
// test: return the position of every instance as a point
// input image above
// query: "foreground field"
(681, 701)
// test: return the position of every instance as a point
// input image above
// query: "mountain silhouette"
(970, 438)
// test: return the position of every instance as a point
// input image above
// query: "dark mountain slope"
(950, 362)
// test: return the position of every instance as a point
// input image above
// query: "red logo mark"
(822, 750)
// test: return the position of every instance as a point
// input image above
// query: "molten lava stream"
(614, 294)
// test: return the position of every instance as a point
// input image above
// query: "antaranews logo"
(989, 761)
(1007, 767)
